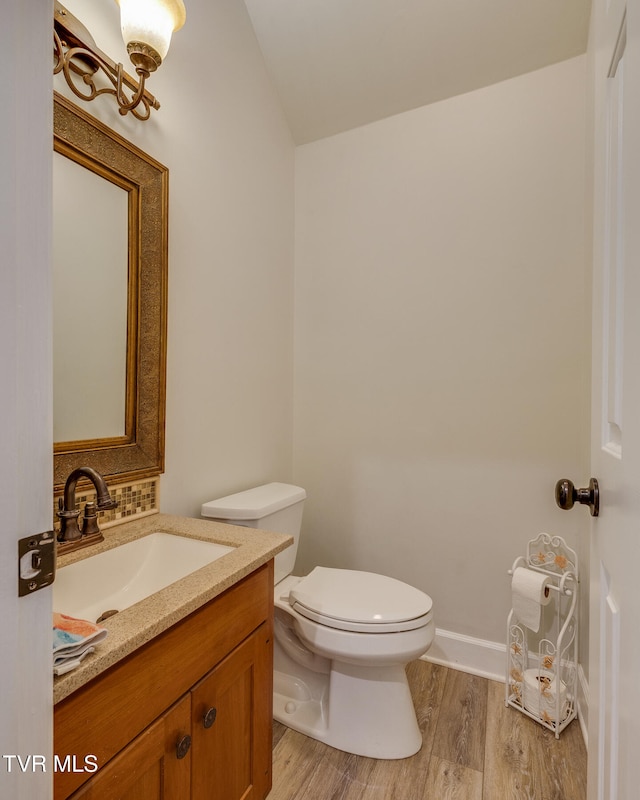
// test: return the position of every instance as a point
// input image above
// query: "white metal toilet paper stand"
(541, 674)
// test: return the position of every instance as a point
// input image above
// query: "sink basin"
(118, 578)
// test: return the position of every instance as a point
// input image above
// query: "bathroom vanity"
(177, 701)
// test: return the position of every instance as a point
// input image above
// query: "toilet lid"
(360, 601)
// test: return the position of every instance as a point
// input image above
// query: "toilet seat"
(363, 602)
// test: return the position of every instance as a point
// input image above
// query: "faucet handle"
(90, 521)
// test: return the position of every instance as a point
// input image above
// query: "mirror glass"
(90, 286)
(110, 298)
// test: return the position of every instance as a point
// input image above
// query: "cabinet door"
(231, 724)
(150, 767)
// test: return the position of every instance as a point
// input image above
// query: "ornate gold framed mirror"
(111, 313)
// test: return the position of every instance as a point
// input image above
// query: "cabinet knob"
(209, 717)
(182, 746)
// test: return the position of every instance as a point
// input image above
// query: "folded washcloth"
(73, 639)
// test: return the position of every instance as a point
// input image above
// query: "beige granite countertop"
(134, 626)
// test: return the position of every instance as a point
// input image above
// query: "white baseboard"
(468, 654)
(488, 660)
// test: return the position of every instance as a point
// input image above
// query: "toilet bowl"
(342, 639)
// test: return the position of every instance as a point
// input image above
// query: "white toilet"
(342, 638)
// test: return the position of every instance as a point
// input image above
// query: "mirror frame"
(140, 452)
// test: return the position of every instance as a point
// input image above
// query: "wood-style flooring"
(474, 748)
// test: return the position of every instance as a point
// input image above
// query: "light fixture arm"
(78, 58)
(132, 104)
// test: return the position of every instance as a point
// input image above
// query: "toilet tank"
(273, 507)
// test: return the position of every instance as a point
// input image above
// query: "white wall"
(442, 340)
(221, 132)
(25, 390)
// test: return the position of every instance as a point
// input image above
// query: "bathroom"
(375, 316)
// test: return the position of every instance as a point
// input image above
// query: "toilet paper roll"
(530, 591)
(539, 692)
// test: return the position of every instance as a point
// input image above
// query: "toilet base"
(367, 711)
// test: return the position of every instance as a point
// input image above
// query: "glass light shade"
(151, 22)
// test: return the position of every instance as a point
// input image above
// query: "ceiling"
(338, 64)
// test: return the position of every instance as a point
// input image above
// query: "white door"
(26, 714)
(614, 643)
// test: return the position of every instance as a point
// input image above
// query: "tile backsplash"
(134, 499)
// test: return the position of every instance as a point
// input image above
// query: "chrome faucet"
(68, 513)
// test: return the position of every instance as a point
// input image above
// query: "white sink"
(120, 577)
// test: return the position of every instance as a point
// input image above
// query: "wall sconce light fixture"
(146, 25)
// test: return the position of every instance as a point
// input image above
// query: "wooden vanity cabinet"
(231, 726)
(148, 768)
(210, 678)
